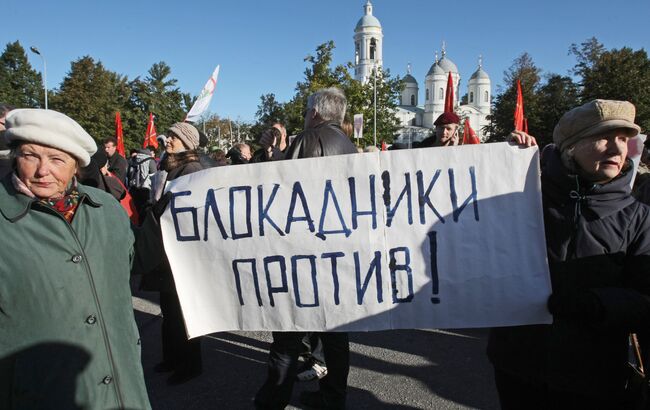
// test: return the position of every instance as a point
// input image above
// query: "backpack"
(138, 174)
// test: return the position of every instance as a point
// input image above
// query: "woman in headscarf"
(68, 338)
(598, 247)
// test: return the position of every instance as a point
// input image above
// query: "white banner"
(424, 238)
(358, 126)
(203, 100)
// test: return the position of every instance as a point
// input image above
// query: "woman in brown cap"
(598, 247)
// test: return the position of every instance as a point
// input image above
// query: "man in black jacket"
(322, 136)
(116, 163)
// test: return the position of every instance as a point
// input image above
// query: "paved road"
(406, 369)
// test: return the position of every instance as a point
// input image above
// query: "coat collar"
(14, 205)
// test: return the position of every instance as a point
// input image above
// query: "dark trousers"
(283, 363)
(517, 394)
(183, 355)
(313, 348)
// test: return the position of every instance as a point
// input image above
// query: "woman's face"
(46, 171)
(601, 157)
(174, 144)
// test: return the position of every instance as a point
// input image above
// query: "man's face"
(46, 171)
(601, 157)
(446, 134)
(110, 148)
(246, 152)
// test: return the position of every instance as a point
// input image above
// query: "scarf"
(65, 205)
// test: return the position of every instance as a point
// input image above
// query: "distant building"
(417, 119)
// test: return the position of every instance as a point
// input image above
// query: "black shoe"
(181, 377)
(163, 367)
(312, 399)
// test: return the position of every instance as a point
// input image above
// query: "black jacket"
(598, 247)
(149, 245)
(327, 138)
(117, 164)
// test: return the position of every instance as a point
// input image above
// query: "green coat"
(68, 338)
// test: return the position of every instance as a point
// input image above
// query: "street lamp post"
(35, 51)
(375, 104)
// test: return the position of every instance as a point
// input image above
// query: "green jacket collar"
(14, 205)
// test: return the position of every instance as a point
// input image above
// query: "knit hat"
(447, 118)
(593, 118)
(187, 133)
(51, 128)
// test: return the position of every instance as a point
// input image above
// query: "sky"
(261, 45)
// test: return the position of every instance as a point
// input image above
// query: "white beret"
(51, 128)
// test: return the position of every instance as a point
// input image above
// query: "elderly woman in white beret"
(68, 337)
(598, 247)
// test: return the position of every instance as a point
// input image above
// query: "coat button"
(107, 380)
(76, 258)
(91, 320)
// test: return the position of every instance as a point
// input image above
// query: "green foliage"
(557, 96)
(20, 85)
(615, 75)
(91, 95)
(319, 74)
(502, 118)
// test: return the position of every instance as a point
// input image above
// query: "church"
(417, 118)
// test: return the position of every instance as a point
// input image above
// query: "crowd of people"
(68, 338)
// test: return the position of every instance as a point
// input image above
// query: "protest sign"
(425, 238)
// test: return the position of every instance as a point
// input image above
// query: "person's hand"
(267, 140)
(521, 138)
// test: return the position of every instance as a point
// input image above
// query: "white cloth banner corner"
(423, 238)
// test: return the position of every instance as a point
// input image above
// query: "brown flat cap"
(593, 118)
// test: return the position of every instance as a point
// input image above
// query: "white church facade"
(416, 117)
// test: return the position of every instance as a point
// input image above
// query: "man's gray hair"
(329, 103)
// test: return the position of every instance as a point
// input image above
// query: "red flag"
(150, 136)
(449, 95)
(383, 145)
(519, 109)
(526, 125)
(469, 136)
(119, 134)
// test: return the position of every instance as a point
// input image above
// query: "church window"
(427, 94)
(442, 94)
(373, 48)
(356, 55)
(471, 97)
(487, 97)
(412, 99)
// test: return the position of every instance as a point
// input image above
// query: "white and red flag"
(203, 101)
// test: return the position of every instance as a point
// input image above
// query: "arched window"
(487, 97)
(442, 94)
(373, 48)
(356, 54)
(471, 97)
(427, 94)
(412, 99)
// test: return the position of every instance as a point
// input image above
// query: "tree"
(320, 74)
(616, 75)
(91, 94)
(559, 95)
(501, 120)
(20, 85)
